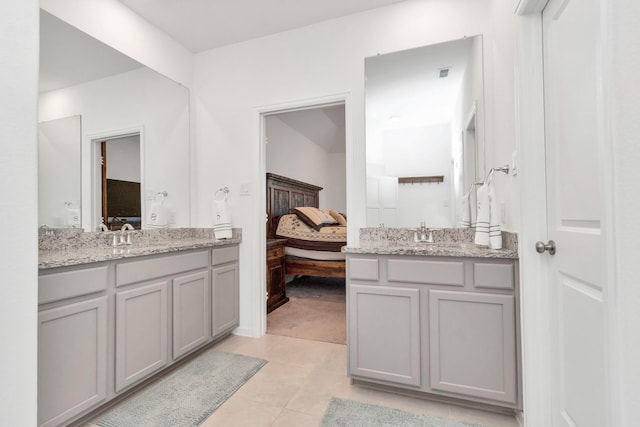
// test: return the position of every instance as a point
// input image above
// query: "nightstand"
(276, 291)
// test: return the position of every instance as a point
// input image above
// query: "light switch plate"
(245, 189)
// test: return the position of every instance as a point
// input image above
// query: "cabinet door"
(190, 312)
(384, 333)
(473, 344)
(141, 332)
(72, 360)
(225, 299)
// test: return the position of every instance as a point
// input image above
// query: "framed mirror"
(116, 97)
(424, 133)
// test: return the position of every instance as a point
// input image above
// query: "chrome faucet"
(125, 237)
(423, 235)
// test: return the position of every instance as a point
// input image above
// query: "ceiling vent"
(444, 72)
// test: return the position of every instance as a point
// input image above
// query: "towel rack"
(503, 169)
(221, 193)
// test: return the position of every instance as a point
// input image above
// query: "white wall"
(123, 159)
(500, 135)
(232, 84)
(291, 154)
(18, 209)
(119, 27)
(139, 98)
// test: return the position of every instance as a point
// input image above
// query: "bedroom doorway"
(306, 145)
(118, 183)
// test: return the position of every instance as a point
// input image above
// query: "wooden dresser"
(276, 291)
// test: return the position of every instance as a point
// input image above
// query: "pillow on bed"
(340, 218)
(314, 217)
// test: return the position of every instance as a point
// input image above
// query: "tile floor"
(294, 388)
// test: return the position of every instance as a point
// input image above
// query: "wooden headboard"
(284, 194)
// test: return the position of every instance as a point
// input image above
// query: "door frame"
(259, 305)
(534, 268)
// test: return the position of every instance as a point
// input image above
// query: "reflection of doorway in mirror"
(120, 181)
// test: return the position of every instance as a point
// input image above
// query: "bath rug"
(187, 396)
(349, 413)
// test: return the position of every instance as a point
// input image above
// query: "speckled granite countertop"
(66, 249)
(438, 250)
(448, 243)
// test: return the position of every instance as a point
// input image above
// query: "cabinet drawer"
(73, 283)
(275, 253)
(138, 271)
(224, 255)
(493, 276)
(363, 269)
(427, 272)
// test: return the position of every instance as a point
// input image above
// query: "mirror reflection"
(118, 99)
(424, 133)
(59, 186)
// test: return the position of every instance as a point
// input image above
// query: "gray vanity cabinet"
(72, 359)
(141, 332)
(443, 326)
(473, 344)
(384, 327)
(191, 312)
(225, 288)
(104, 327)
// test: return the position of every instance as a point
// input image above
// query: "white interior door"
(573, 122)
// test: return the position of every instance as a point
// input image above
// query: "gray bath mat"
(348, 413)
(186, 396)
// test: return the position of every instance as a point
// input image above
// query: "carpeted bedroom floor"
(316, 311)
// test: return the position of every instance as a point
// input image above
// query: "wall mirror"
(116, 97)
(424, 133)
(59, 188)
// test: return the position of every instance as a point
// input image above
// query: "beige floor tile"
(297, 351)
(239, 412)
(275, 384)
(336, 360)
(313, 397)
(289, 418)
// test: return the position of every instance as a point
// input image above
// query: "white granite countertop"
(448, 249)
(67, 251)
(449, 242)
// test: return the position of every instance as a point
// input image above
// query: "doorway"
(118, 177)
(307, 144)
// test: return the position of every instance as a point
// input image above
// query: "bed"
(309, 251)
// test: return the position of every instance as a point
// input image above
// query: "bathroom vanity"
(111, 317)
(437, 320)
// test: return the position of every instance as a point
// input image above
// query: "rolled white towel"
(483, 216)
(495, 233)
(221, 220)
(157, 217)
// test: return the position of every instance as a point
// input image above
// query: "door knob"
(550, 247)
